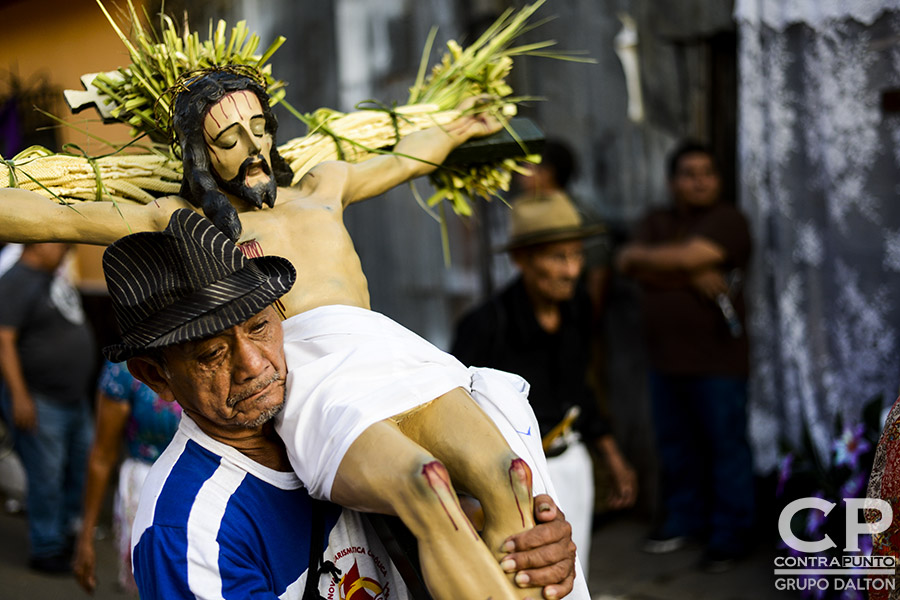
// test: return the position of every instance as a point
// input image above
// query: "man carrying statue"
(375, 418)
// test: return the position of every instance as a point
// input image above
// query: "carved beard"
(257, 195)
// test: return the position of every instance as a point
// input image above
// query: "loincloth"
(349, 368)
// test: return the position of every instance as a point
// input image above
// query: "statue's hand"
(476, 118)
(545, 555)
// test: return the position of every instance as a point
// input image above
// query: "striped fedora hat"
(185, 283)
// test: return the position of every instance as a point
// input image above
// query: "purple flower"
(785, 469)
(850, 446)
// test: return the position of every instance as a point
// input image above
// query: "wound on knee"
(438, 480)
(520, 481)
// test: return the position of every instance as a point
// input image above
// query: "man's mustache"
(256, 388)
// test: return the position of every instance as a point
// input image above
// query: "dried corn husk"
(64, 177)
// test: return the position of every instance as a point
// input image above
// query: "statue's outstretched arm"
(415, 155)
(30, 217)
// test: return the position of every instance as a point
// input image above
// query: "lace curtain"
(819, 159)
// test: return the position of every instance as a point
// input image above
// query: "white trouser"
(572, 475)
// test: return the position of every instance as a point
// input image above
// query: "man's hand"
(624, 479)
(625, 485)
(694, 254)
(545, 555)
(24, 412)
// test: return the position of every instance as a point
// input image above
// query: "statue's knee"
(509, 467)
(429, 482)
(436, 478)
(433, 508)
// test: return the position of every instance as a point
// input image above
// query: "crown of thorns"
(164, 107)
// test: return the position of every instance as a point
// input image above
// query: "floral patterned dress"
(884, 483)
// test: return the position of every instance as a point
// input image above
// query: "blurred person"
(46, 360)
(688, 258)
(125, 409)
(9, 255)
(539, 327)
(553, 174)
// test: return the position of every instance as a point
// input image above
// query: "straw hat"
(184, 283)
(542, 219)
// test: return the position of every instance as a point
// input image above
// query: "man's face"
(232, 382)
(240, 147)
(696, 181)
(50, 255)
(550, 271)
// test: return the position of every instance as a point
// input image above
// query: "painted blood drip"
(519, 469)
(236, 107)
(435, 476)
(252, 249)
